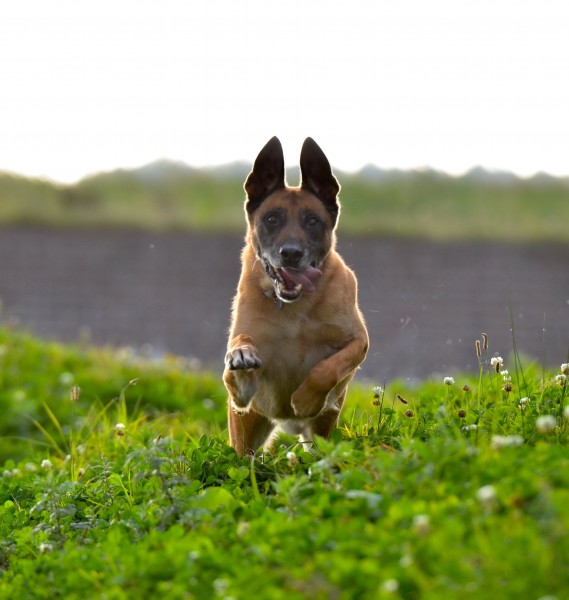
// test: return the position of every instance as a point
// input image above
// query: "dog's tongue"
(305, 278)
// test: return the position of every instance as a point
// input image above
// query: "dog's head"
(292, 229)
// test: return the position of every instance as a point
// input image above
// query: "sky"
(90, 85)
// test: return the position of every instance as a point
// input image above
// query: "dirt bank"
(425, 303)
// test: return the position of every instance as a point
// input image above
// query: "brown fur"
(289, 364)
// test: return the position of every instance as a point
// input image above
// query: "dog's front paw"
(307, 402)
(245, 357)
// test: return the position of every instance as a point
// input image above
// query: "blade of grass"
(49, 437)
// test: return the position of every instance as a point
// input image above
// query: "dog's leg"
(310, 397)
(325, 423)
(240, 376)
(248, 431)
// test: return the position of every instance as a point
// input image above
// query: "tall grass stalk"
(518, 367)
(254, 483)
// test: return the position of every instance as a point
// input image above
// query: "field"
(424, 204)
(117, 482)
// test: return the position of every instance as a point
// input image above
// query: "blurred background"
(127, 129)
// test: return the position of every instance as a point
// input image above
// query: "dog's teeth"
(298, 287)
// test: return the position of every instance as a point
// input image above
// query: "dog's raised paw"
(245, 357)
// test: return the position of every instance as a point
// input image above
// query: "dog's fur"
(297, 335)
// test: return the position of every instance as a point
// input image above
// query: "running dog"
(297, 335)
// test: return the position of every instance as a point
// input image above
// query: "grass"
(125, 486)
(176, 197)
(426, 204)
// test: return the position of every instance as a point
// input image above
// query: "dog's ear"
(268, 174)
(317, 176)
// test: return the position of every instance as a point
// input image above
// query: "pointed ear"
(268, 174)
(317, 176)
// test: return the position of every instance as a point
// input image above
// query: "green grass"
(427, 492)
(415, 204)
(444, 208)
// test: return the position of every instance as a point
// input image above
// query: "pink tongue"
(305, 278)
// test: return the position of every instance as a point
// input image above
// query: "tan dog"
(297, 335)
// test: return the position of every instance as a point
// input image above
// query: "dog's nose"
(291, 253)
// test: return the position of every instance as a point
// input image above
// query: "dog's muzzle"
(291, 283)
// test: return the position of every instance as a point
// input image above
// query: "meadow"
(117, 482)
(423, 204)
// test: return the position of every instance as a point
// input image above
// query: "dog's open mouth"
(291, 283)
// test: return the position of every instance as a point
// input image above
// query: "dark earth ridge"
(425, 302)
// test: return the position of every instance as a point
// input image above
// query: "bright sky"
(95, 85)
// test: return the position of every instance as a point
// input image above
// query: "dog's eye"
(271, 220)
(313, 222)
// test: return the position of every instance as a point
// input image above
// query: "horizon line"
(425, 168)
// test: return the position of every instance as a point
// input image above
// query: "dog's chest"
(299, 344)
(287, 361)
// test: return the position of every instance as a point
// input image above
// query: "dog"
(297, 335)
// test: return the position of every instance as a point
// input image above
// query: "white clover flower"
(506, 375)
(120, 428)
(243, 528)
(564, 369)
(292, 459)
(30, 467)
(497, 360)
(390, 585)
(472, 427)
(46, 464)
(448, 380)
(524, 402)
(421, 524)
(45, 548)
(16, 473)
(6, 473)
(546, 424)
(377, 390)
(66, 378)
(561, 379)
(486, 494)
(220, 586)
(506, 441)
(406, 561)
